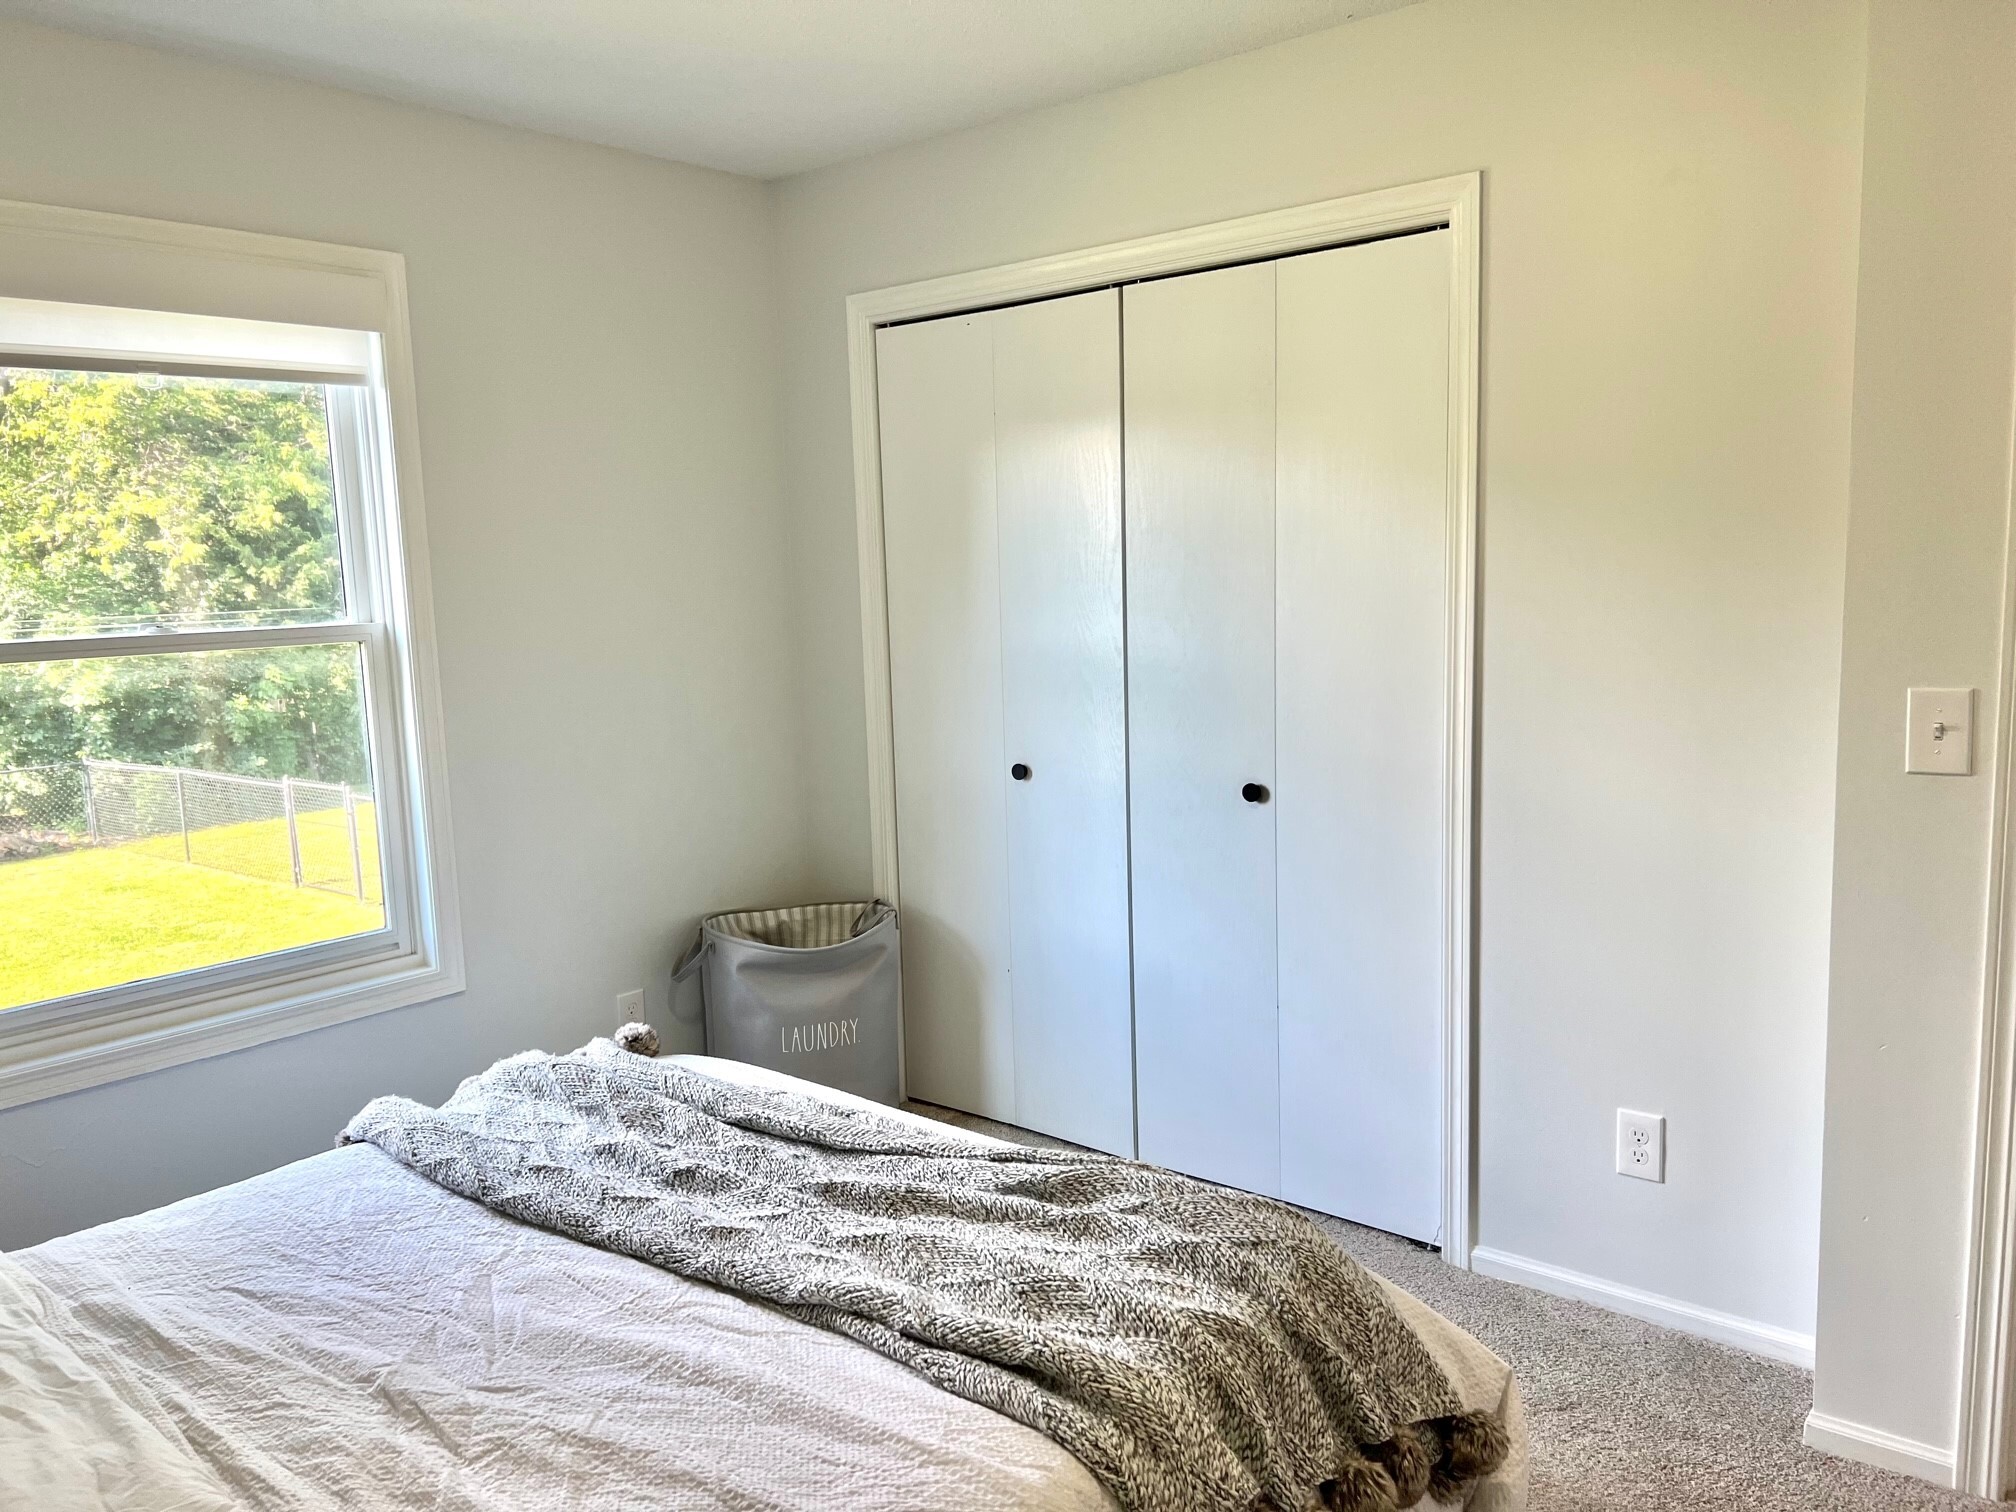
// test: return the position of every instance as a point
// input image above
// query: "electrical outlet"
(630, 1007)
(1641, 1145)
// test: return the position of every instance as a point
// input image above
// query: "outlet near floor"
(1641, 1145)
(630, 1007)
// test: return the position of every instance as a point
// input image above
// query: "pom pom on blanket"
(1467, 1448)
(1359, 1486)
(638, 1039)
(1410, 1460)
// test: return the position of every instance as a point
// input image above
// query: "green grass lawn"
(114, 914)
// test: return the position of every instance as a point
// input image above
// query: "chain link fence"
(42, 809)
(311, 834)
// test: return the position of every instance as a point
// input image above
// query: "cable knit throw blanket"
(1196, 1348)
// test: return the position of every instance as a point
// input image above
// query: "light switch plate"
(1939, 731)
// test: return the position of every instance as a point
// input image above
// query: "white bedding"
(341, 1333)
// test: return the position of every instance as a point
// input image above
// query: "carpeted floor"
(1628, 1416)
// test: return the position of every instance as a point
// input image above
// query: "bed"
(342, 1333)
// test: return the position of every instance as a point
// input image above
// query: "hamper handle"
(688, 964)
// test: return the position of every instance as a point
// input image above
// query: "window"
(211, 799)
(219, 805)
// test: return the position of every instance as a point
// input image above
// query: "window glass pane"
(131, 502)
(164, 812)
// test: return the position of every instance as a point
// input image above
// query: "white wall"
(1670, 284)
(1671, 196)
(1935, 367)
(593, 344)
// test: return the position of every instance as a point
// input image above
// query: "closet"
(1168, 614)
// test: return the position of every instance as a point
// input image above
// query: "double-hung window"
(220, 815)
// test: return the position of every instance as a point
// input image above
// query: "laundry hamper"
(811, 991)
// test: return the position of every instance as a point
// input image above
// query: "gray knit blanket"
(1197, 1348)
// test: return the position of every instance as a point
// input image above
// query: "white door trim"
(1982, 1459)
(1455, 202)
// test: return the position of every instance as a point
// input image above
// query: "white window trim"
(90, 259)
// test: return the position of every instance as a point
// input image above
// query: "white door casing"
(1452, 203)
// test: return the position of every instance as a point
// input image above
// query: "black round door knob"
(1019, 771)
(1255, 792)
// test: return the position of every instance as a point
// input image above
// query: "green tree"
(130, 503)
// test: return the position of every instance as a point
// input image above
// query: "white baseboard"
(1872, 1446)
(1766, 1339)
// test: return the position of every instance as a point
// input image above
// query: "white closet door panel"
(1362, 538)
(1200, 647)
(936, 385)
(1063, 682)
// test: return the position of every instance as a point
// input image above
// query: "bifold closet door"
(1361, 678)
(936, 397)
(1200, 641)
(1000, 437)
(1064, 714)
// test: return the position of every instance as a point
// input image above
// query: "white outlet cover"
(629, 1006)
(1641, 1145)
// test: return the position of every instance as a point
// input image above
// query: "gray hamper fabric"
(811, 991)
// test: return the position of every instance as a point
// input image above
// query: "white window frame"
(119, 289)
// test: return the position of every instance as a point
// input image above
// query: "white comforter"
(341, 1333)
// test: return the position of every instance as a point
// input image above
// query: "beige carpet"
(1627, 1416)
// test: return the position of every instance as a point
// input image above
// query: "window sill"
(47, 1054)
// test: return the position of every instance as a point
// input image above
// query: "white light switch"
(1939, 731)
